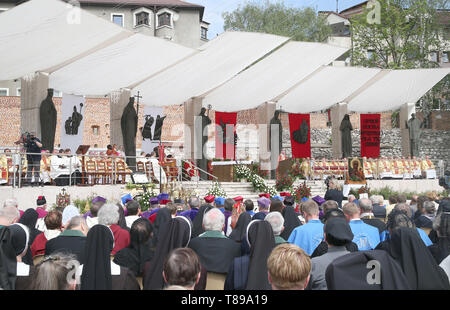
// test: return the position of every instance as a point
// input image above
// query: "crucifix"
(137, 102)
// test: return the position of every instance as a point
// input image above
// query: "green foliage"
(408, 32)
(387, 191)
(277, 18)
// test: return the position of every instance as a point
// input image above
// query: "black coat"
(379, 211)
(216, 254)
(336, 195)
(375, 223)
(71, 244)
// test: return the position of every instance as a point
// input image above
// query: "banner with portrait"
(72, 121)
(299, 128)
(370, 135)
(150, 131)
(226, 136)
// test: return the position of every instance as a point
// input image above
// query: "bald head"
(9, 215)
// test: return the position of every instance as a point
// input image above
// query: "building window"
(204, 33)
(445, 57)
(117, 19)
(434, 56)
(4, 91)
(95, 130)
(164, 19)
(370, 54)
(142, 18)
(18, 91)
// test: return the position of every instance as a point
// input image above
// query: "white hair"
(213, 220)
(10, 213)
(108, 214)
(12, 202)
(276, 220)
(377, 199)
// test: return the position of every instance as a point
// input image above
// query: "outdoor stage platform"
(27, 196)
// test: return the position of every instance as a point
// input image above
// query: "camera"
(27, 139)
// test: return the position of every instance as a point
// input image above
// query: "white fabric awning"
(41, 34)
(272, 76)
(119, 65)
(328, 86)
(396, 88)
(219, 60)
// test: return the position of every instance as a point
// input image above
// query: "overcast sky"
(215, 8)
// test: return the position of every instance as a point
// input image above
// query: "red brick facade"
(97, 115)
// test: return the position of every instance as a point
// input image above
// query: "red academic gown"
(121, 238)
(38, 246)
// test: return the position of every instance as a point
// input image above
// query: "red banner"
(225, 134)
(370, 135)
(299, 127)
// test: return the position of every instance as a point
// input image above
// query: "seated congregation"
(227, 244)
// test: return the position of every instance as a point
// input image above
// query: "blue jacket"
(385, 235)
(308, 236)
(366, 236)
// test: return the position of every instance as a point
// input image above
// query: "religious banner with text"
(150, 131)
(225, 135)
(299, 128)
(72, 121)
(370, 135)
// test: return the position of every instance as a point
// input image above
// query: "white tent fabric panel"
(328, 86)
(396, 88)
(119, 65)
(219, 60)
(40, 34)
(272, 76)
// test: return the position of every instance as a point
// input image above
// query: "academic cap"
(319, 200)
(209, 198)
(125, 198)
(263, 202)
(339, 229)
(99, 199)
(238, 199)
(267, 195)
(220, 201)
(41, 201)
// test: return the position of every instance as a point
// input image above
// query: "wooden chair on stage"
(109, 171)
(121, 172)
(91, 172)
(150, 172)
(140, 166)
(171, 170)
(101, 171)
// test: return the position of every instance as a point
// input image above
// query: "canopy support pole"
(118, 101)
(264, 114)
(338, 112)
(405, 114)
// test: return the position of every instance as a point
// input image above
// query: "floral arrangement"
(301, 191)
(144, 200)
(216, 191)
(364, 190)
(242, 172)
(284, 183)
(259, 184)
(258, 171)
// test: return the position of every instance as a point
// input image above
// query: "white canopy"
(327, 86)
(272, 76)
(41, 34)
(395, 88)
(219, 60)
(119, 65)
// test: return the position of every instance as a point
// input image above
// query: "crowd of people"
(381, 168)
(228, 244)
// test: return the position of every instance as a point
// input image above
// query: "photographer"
(33, 145)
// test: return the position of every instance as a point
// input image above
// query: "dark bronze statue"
(301, 135)
(275, 140)
(346, 136)
(203, 163)
(68, 126)
(47, 113)
(147, 130)
(414, 125)
(226, 138)
(158, 128)
(129, 123)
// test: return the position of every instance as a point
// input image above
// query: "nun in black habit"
(139, 250)
(175, 234)
(416, 261)
(441, 248)
(29, 219)
(197, 225)
(250, 271)
(99, 272)
(240, 230)
(291, 221)
(163, 217)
